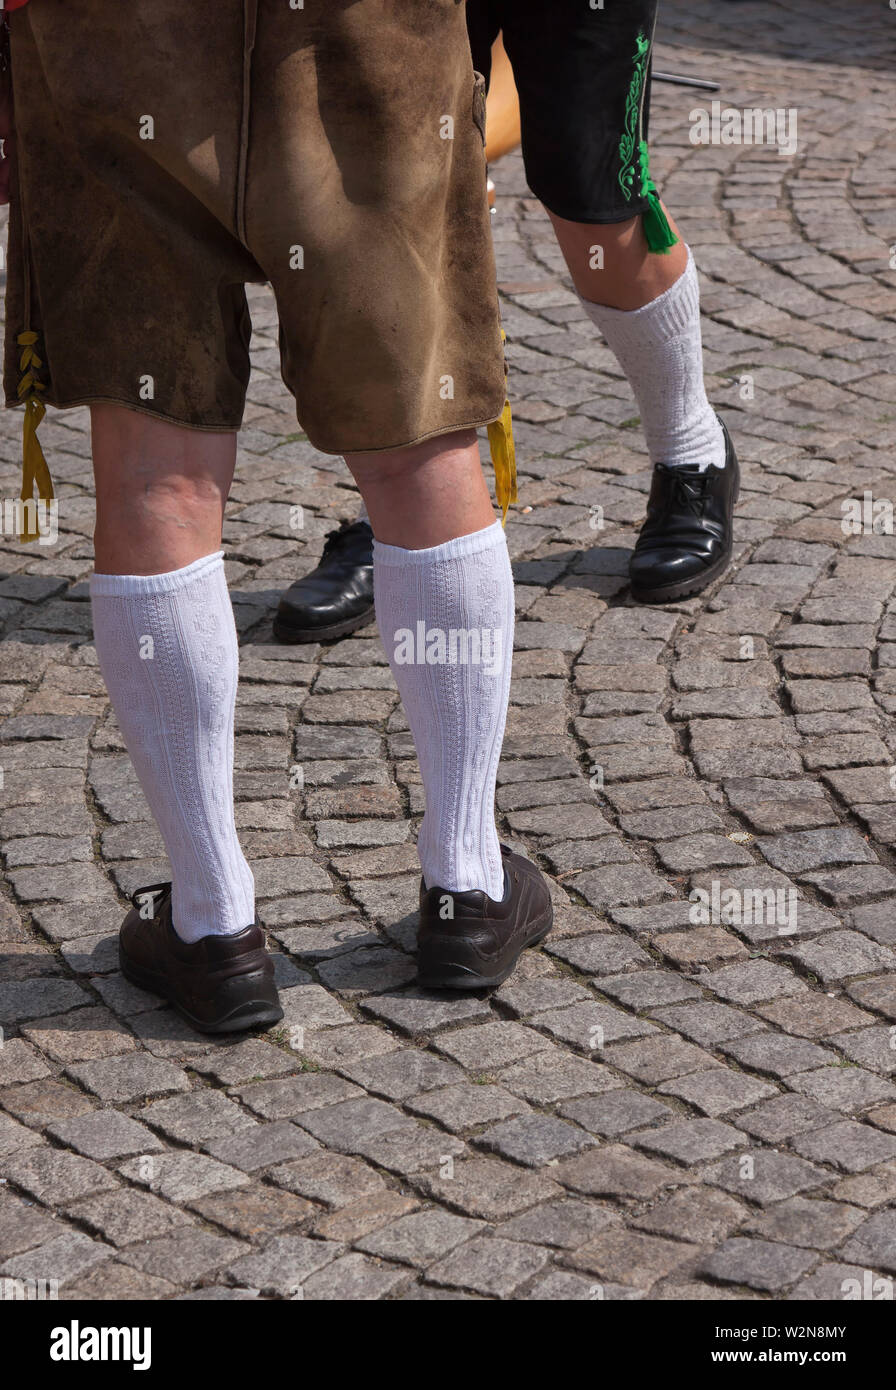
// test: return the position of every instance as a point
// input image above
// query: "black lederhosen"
(575, 68)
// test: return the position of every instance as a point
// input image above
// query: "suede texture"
(302, 147)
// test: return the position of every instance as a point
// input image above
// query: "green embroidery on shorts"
(635, 160)
(629, 145)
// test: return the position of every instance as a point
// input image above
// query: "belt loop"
(250, 23)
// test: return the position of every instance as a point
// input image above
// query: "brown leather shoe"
(470, 941)
(221, 984)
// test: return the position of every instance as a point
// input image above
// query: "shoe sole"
(294, 635)
(672, 592)
(252, 1013)
(457, 976)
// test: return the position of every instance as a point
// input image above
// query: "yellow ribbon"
(35, 473)
(503, 452)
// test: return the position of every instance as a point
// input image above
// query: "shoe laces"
(688, 489)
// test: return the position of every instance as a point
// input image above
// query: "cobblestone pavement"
(650, 1107)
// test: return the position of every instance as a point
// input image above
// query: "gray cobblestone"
(709, 1024)
(658, 1059)
(80, 1036)
(840, 955)
(815, 1224)
(871, 1047)
(630, 1258)
(813, 1015)
(830, 1282)
(358, 1219)
(562, 1286)
(400, 1075)
(417, 1013)
(565, 1224)
(290, 1096)
(19, 1063)
(182, 1177)
(458, 1108)
(333, 1179)
(757, 1263)
(844, 1088)
(617, 1171)
(615, 1113)
(105, 1134)
(130, 1077)
(63, 1258)
(600, 955)
(411, 1150)
(261, 1146)
(54, 1176)
(344, 1126)
(589, 1027)
(254, 1211)
(283, 1265)
(201, 1115)
(874, 1243)
(780, 1057)
(553, 1075)
(490, 1266)
(690, 1141)
(534, 1139)
(849, 1146)
(42, 1102)
(717, 1092)
(491, 1045)
(420, 1238)
(701, 946)
(489, 1188)
(23, 1225)
(243, 1062)
(767, 1177)
(185, 1256)
(23, 999)
(353, 1278)
(701, 1212)
(127, 1216)
(753, 983)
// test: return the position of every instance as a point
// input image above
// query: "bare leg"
(426, 494)
(632, 275)
(160, 491)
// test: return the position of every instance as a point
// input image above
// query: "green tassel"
(659, 234)
(660, 237)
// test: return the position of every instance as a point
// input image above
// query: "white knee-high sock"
(434, 608)
(659, 348)
(167, 648)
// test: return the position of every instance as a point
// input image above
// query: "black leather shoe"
(470, 941)
(687, 539)
(220, 984)
(337, 597)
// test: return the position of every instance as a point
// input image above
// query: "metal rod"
(686, 81)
